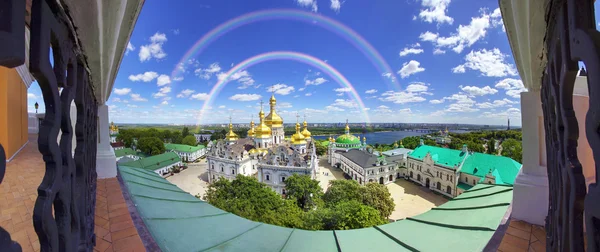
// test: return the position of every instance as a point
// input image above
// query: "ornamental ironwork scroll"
(69, 184)
(571, 37)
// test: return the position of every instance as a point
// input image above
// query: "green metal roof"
(441, 156)
(183, 147)
(503, 168)
(464, 186)
(125, 152)
(348, 139)
(180, 222)
(155, 162)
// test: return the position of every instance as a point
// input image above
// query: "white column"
(530, 193)
(106, 161)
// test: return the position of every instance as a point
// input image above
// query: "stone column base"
(106, 162)
(530, 198)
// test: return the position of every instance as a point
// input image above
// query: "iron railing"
(69, 185)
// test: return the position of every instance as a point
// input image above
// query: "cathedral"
(265, 153)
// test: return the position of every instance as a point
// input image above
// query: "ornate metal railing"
(571, 37)
(69, 184)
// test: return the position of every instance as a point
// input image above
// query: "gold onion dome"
(231, 136)
(298, 138)
(251, 130)
(262, 130)
(273, 119)
(253, 151)
(305, 132)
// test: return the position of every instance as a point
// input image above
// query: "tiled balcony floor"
(18, 192)
(522, 236)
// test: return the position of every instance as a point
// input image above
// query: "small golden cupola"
(231, 136)
(298, 138)
(273, 119)
(262, 130)
(251, 130)
(305, 131)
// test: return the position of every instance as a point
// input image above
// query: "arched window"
(222, 169)
(474, 182)
(233, 171)
(449, 190)
(466, 180)
(267, 177)
(213, 166)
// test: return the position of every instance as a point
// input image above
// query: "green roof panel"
(441, 156)
(155, 162)
(505, 169)
(183, 147)
(125, 152)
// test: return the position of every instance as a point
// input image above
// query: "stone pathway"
(412, 199)
(193, 180)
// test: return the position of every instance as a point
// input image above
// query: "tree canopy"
(305, 191)
(151, 145)
(513, 149)
(189, 140)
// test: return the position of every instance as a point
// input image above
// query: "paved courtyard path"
(334, 174)
(412, 199)
(193, 180)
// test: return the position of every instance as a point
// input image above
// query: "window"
(221, 168)
(474, 182)
(233, 171)
(267, 178)
(447, 177)
(282, 179)
(466, 180)
(213, 166)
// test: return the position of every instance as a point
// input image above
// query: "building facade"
(126, 153)
(160, 164)
(114, 132)
(265, 152)
(187, 153)
(451, 172)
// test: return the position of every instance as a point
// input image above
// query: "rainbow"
(286, 55)
(330, 24)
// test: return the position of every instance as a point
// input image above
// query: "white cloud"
(281, 89)
(383, 109)
(162, 80)
(490, 63)
(31, 96)
(334, 108)
(336, 5)
(132, 106)
(345, 103)
(164, 103)
(435, 11)
(185, 93)
(477, 91)
(206, 73)
(222, 106)
(371, 91)
(122, 91)
(180, 78)
(497, 103)
(414, 49)
(162, 92)
(154, 49)
(200, 96)
(176, 31)
(409, 68)
(284, 105)
(145, 77)
(401, 97)
(312, 4)
(301, 89)
(496, 18)
(138, 98)
(465, 35)
(242, 77)
(436, 101)
(417, 87)
(316, 82)
(347, 89)
(245, 97)
(390, 76)
(513, 87)
(129, 48)
(438, 51)
(308, 94)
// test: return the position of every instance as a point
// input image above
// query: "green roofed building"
(126, 152)
(451, 172)
(343, 142)
(159, 164)
(187, 153)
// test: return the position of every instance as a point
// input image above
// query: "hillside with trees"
(345, 205)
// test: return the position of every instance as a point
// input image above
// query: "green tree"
(513, 149)
(353, 214)
(341, 191)
(176, 137)
(167, 135)
(378, 196)
(189, 140)
(185, 132)
(473, 146)
(151, 145)
(491, 146)
(321, 149)
(304, 190)
(126, 137)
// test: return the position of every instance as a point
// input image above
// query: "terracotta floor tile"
(100, 231)
(101, 245)
(118, 212)
(521, 225)
(117, 206)
(539, 233)
(518, 233)
(121, 218)
(118, 235)
(516, 241)
(114, 227)
(538, 246)
(128, 243)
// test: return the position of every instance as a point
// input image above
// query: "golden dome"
(347, 127)
(262, 130)
(231, 136)
(305, 132)
(251, 130)
(364, 139)
(253, 151)
(298, 138)
(273, 119)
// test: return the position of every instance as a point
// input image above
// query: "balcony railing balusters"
(571, 37)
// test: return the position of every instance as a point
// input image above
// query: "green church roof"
(503, 168)
(155, 162)
(125, 152)
(180, 222)
(441, 156)
(183, 147)
(347, 139)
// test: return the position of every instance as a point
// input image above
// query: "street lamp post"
(36, 107)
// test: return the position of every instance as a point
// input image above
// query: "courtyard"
(410, 199)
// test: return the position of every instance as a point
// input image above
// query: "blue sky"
(452, 60)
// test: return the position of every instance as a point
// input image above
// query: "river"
(389, 136)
